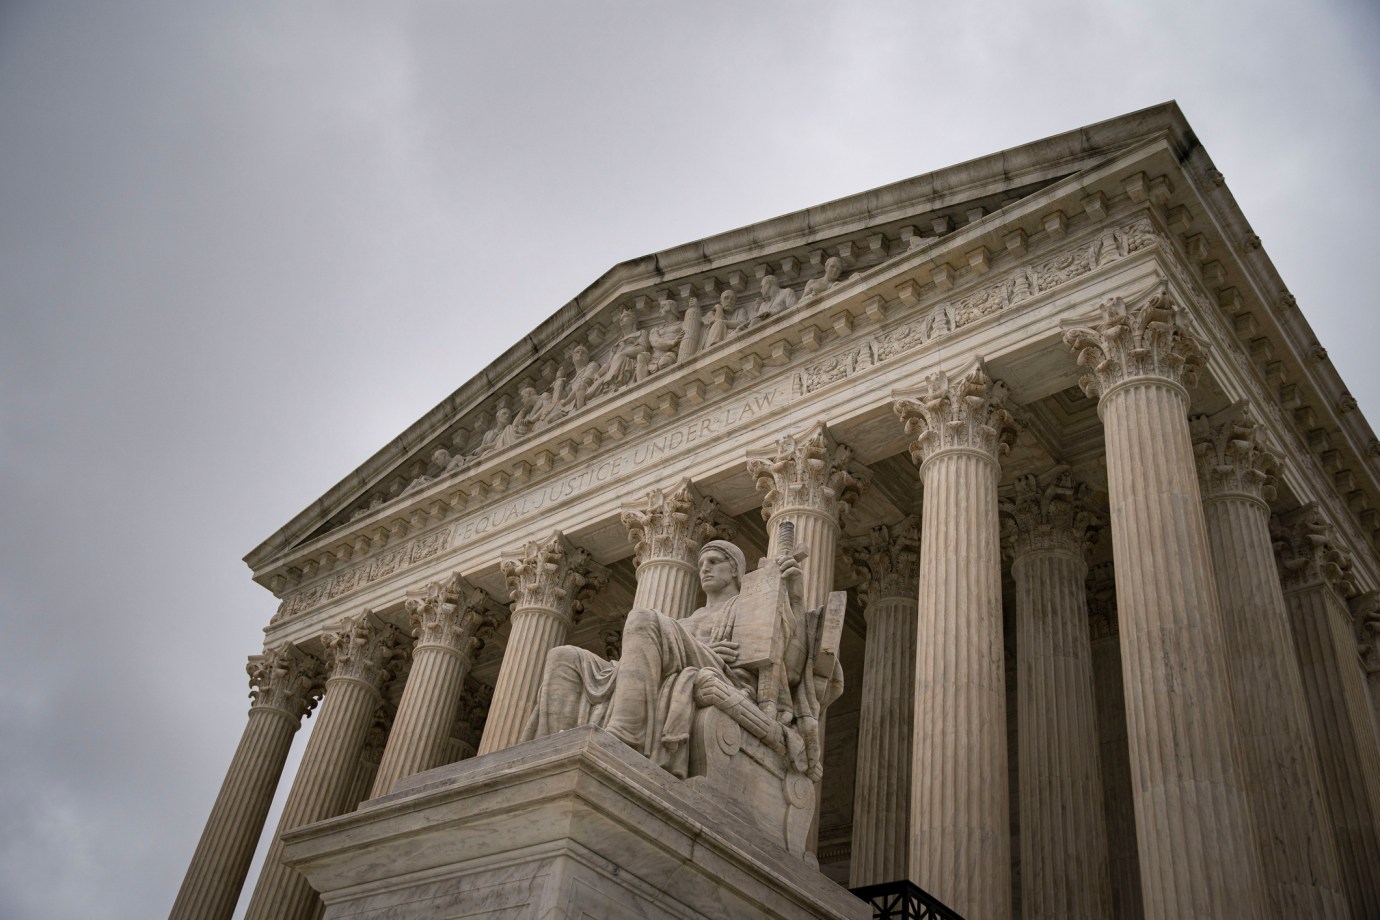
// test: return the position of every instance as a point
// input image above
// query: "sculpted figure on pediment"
(549, 406)
(586, 382)
(631, 355)
(833, 268)
(665, 338)
(721, 319)
(775, 300)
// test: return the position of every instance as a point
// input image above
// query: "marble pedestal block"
(573, 825)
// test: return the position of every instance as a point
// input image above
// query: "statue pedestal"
(569, 826)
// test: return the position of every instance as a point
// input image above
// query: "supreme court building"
(1104, 515)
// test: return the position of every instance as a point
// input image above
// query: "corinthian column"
(359, 657)
(1316, 575)
(549, 582)
(285, 683)
(887, 561)
(1297, 853)
(1063, 836)
(668, 529)
(450, 621)
(1193, 823)
(960, 831)
(807, 484)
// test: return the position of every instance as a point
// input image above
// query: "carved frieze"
(810, 472)
(285, 678)
(967, 414)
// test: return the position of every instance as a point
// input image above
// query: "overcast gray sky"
(242, 245)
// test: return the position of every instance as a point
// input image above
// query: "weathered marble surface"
(574, 825)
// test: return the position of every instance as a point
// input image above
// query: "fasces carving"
(810, 472)
(1048, 512)
(285, 678)
(366, 649)
(1143, 339)
(453, 614)
(674, 524)
(1306, 552)
(967, 414)
(887, 560)
(553, 574)
(1231, 458)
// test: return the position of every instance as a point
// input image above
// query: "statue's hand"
(793, 577)
(727, 651)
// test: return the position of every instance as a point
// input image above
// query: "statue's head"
(833, 266)
(728, 299)
(769, 286)
(721, 565)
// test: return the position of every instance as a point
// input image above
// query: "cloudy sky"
(242, 245)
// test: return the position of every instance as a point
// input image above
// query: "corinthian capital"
(809, 472)
(285, 678)
(966, 414)
(366, 649)
(1048, 512)
(674, 524)
(1306, 552)
(1144, 339)
(453, 614)
(1231, 458)
(553, 574)
(887, 560)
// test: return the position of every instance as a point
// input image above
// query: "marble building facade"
(1105, 516)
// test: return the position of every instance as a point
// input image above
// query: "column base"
(576, 824)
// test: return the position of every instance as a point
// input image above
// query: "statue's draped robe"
(647, 698)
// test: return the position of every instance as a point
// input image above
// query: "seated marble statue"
(670, 668)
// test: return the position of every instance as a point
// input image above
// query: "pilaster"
(450, 621)
(1316, 578)
(959, 809)
(667, 529)
(1186, 762)
(360, 657)
(284, 686)
(1048, 525)
(549, 582)
(1298, 855)
(887, 560)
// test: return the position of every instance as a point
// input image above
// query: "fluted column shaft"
(1185, 754)
(285, 684)
(447, 622)
(548, 582)
(1064, 871)
(960, 843)
(321, 790)
(1345, 734)
(1118, 810)
(1298, 855)
(881, 801)
(669, 585)
(212, 885)
(326, 779)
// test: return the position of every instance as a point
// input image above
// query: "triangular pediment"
(646, 323)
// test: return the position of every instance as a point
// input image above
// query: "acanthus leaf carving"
(674, 524)
(1141, 340)
(553, 574)
(285, 678)
(968, 414)
(811, 472)
(1231, 458)
(1049, 512)
(1306, 552)
(366, 649)
(453, 614)
(887, 559)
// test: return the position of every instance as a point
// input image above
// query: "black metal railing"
(904, 900)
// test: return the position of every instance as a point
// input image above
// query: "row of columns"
(1222, 728)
